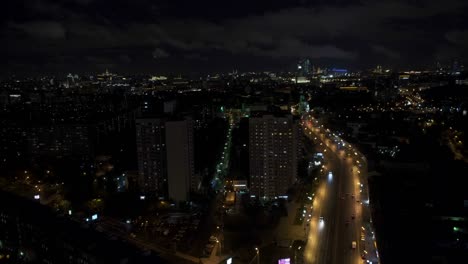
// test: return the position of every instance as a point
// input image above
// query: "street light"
(219, 246)
(258, 255)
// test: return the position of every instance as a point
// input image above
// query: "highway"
(340, 213)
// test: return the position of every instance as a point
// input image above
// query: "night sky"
(45, 36)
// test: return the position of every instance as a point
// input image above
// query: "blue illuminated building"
(338, 72)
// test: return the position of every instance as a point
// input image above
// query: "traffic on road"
(340, 228)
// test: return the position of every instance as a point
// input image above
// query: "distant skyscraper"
(303, 105)
(378, 69)
(106, 76)
(272, 154)
(303, 67)
(165, 157)
(455, 67)
(70, 81)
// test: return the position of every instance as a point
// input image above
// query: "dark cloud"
(159, 53)
(458, 37)
(82, 2)
(125, 58)
(196, 56)
(351, 32)
(386, 52)
(455, 48)
(296, 48)
(41, 29)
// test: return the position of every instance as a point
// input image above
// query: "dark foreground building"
(32, 233)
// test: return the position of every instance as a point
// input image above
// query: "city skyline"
(266, 166)
(233, 132)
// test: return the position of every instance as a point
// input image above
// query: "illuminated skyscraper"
(455, 67)
(303, 67)
(378, 69)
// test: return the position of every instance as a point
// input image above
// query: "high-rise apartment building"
(165, 157)
(151, 152)
(273, 151)
(180, 166)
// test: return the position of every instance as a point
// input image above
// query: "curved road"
(337, 202)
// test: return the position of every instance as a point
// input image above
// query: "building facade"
(165, 157)
(180, 164)
(151, 153)
(273, 154)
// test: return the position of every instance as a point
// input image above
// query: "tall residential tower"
(274, 143)
(165, 157)
(151, 152)
(180, 166)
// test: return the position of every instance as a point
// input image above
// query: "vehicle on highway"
(321, 219)
(353, 245)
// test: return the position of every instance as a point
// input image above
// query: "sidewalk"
(369, 245)
(286, 229)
